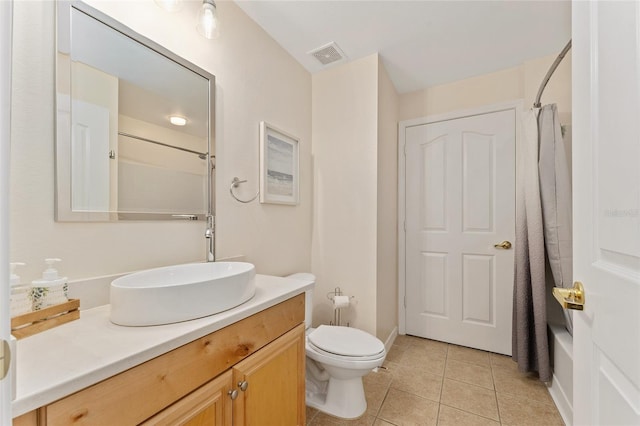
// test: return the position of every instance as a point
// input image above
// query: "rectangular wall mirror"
(135, 125)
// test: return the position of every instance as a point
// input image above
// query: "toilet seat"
(345, 343)
(331, 355)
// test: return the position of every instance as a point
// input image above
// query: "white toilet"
(337, 359)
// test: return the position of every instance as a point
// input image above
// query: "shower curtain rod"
(202, 155)
(552, 69)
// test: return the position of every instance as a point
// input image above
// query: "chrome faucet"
(210, 237)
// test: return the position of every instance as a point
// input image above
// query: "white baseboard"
(390, 339)
(559, 397)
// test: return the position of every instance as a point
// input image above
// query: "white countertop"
(68, 358)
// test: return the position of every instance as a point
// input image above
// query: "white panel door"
(90, 164)
(5, 107)
(460, 180)
(606, 212)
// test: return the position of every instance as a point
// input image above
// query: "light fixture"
(170, 5)
(208, 24)
(177, 120)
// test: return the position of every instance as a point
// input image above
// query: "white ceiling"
(422, 43)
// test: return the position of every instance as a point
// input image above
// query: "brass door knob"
(570, 298)
(503, 245)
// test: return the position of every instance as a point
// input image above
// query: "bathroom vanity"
(242, 366)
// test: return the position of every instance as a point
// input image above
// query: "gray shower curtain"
(555, 190)
(530, 346)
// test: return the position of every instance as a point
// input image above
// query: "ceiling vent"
(328, 54)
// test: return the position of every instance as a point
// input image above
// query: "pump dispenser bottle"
(20, 301)
(51, 289)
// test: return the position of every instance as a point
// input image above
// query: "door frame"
(6, 22)
(516, 105)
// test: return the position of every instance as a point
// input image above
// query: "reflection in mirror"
(134, 125)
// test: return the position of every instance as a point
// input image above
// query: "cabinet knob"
(233, 394)
(243, 385)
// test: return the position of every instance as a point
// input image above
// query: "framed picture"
(279, 174)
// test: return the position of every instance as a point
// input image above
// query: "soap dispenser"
(20, 301)
(51, 289)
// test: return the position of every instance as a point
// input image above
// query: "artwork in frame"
(279, 174)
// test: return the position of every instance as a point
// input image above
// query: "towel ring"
(234, 184)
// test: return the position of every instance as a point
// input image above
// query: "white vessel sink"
(181, 292)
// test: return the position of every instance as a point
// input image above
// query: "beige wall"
(511, 84)
(256, 80)
(343, 250)
(355, 180)
(387, 244)
(505, 85)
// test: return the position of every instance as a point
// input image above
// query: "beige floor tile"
(469, 373)
(310, 414)
(408, 379)
(429, 348)
(424, 359)
(402, 408)
(322, 419)
(383, 377)
(450, 416)
(433, 345)
(471, 398)
(513, 382)
(405, 340)
(380, 422)
(390, 366)
(395, 353)
(523, 411)
(473, 356)
(375, 393)
(503, 361)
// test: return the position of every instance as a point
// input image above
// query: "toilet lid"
(345, 341)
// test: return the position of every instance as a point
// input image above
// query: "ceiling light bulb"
(170, 5)
(208, 24)
(177, 121)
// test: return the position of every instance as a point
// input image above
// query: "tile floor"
(433, 383)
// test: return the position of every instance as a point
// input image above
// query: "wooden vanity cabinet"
(274, 383)
(265, 389)
(193, 384)
(27, 419)
(210, 405)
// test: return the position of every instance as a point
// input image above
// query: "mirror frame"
(62, 76)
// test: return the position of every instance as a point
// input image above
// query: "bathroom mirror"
(135, 125)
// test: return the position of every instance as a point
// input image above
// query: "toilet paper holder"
(337, 317)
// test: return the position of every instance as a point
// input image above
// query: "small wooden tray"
(34, 322)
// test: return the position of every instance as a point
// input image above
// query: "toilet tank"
(308, 295)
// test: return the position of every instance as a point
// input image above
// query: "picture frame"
(279, 166)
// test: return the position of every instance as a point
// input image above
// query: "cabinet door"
(210, 405)
(28, 419)
(274, 378)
